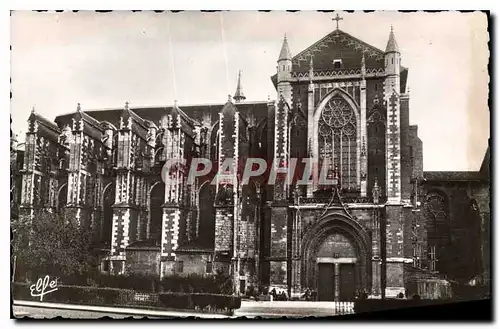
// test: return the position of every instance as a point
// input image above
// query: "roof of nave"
(455, 176)
(155, 113)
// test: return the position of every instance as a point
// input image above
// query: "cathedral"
(384, 228)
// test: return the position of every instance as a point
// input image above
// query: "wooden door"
(326, 282)
(347, 282)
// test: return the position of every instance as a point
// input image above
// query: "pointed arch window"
(337, 129)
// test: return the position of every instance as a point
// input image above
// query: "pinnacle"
(238, 95)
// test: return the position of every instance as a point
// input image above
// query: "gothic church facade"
(384, 227)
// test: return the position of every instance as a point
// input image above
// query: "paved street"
(248, 309)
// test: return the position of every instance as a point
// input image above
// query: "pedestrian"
(273, 293)
(307, 295)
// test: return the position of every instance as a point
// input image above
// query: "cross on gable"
(337, 19)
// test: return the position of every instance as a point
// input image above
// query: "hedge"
(122, 297)
(199, 301)
(194, 283)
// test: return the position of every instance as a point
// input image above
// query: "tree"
(51, 245)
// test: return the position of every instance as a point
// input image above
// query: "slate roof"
(41, 119)
(285, 51)
(194, 246)
(155, 113)
(392, 45)
(453, 176)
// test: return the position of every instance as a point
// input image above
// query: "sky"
(102, 60)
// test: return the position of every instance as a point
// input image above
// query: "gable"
(338, 45)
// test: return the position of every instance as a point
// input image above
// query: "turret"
(392, 56)
(284, 62)
(392, 99)
(285, 72)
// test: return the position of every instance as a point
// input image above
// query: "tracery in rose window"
(337, 140)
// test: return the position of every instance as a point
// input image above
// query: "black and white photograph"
(250, 165)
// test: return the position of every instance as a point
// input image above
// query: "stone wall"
(170, 230)
(466, 252)
(224, 229)
(139, 261)
(279, 224)
(194, 263)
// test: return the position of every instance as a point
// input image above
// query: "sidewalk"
(119, 310)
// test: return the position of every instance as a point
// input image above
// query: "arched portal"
(336, 258)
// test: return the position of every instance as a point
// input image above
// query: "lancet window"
(337, 140)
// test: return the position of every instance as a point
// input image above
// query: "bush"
(176, 300)
(21, 291)
(194, 283)
(137, 282)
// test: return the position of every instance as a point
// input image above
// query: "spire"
(78, 107)
(238, 95)
(126, 105)
(285, 51)
(33, 109)
(392, 45)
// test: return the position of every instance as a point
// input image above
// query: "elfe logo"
(39, 289)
